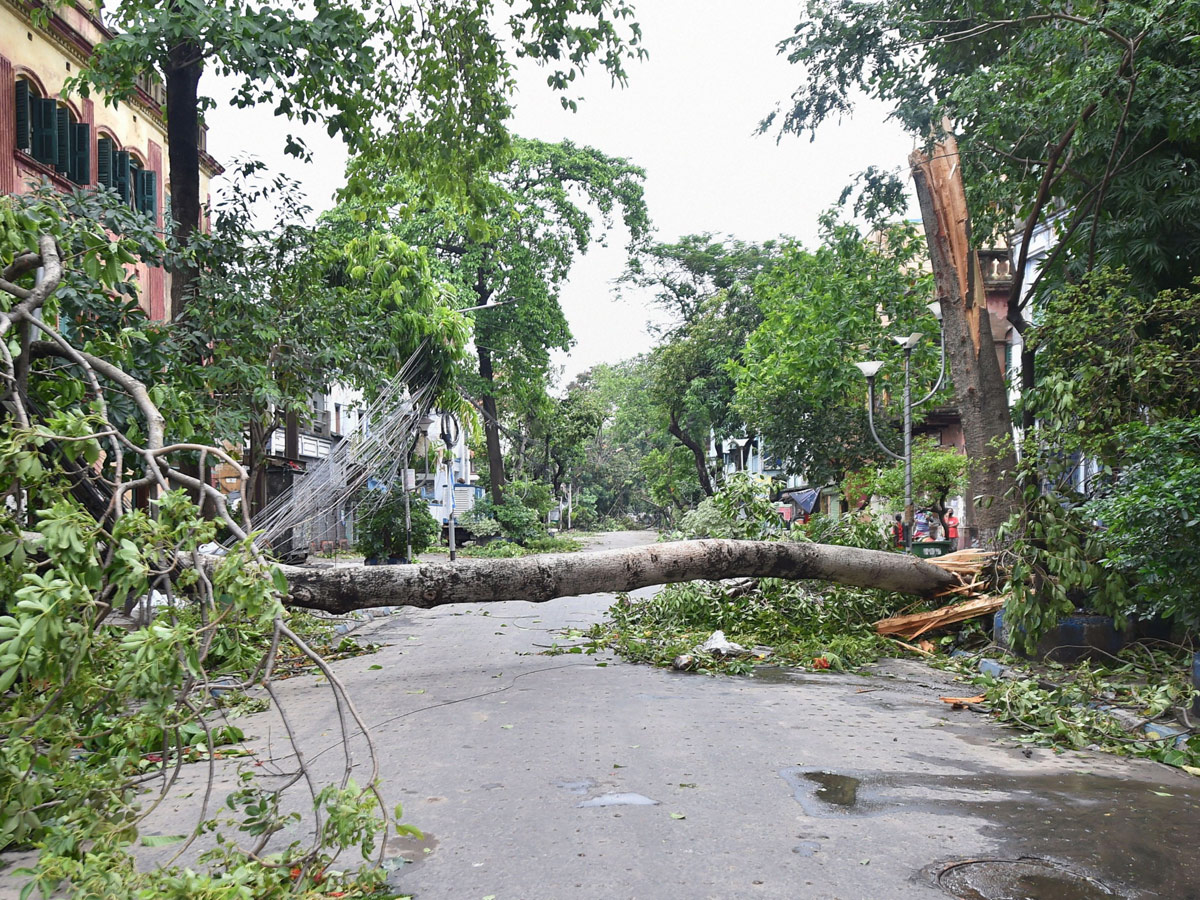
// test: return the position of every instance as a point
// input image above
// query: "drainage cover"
(1028, 878)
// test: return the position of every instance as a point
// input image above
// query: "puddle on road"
(402, 850)
(1120, 832)
(837, 790)
(1003, 879)
(786, 675)
(830, 794)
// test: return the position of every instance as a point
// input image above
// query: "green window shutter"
(81, 153)
(24, 116)
(45, 130)
(121, 174)
(147, 192)
(62, 162)
(1008, 358)
(104, 162)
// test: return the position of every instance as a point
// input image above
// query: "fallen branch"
(916, 624)
(921, 651)
(541, 578)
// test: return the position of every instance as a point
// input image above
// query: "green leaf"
(162, 840)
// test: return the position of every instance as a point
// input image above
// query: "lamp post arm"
(871, 419)
(941, 374)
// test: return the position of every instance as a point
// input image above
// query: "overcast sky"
(688, 116)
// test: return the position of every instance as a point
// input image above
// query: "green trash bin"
(930, 549)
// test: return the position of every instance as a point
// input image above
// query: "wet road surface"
(540, 778)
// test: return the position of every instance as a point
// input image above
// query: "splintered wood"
(967, 566)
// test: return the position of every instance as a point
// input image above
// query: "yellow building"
(72, 141)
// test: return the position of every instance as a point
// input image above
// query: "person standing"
(951, 528)
(921, 526)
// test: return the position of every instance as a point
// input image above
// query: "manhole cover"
(1018, 879)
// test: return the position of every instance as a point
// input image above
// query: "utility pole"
(450, 434)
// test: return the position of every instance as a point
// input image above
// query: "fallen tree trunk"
(540, 578)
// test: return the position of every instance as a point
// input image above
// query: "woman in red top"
(951, 527)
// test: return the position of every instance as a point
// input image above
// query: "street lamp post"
(870, 370)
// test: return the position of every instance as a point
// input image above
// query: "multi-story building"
(46, 133)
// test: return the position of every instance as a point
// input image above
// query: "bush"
(583, 512)
(555, 545)
(740, 510)
(523, 512)
(1150, 519)
(379, 530)
(479, 524)
(845, 531)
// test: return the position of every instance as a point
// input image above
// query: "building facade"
(48, 134)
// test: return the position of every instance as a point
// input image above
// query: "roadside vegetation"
(1136, 703)
(454, 261)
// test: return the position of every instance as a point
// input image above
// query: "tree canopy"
(1068, 115)
(707, 285)
(825, 310)
(411, 88)
(548, 206)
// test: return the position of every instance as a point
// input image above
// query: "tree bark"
(684, 438)
(979, 387)
(491, 427)
(541, 578)
(182, 71)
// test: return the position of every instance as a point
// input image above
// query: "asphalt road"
(544, 777)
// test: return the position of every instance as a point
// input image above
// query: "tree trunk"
(491, 427)
(256, 476)
(542, 578)
(182, 70)
(684, 438)
(979, 387)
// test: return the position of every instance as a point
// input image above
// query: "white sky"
(688, 117)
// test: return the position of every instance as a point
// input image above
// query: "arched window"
(124, 173)
(49, 132)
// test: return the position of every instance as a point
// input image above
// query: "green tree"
(632, 466)
(938, 473)
(1117, 450)
(1077, 117)
(708, 287)
(549, 205)
(286, 310)
(92, 712)
(418, 88)
(1150, 514)
(692, 383)
(1111, 356)
(697, 267)
(556, 436)
(825, 310)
